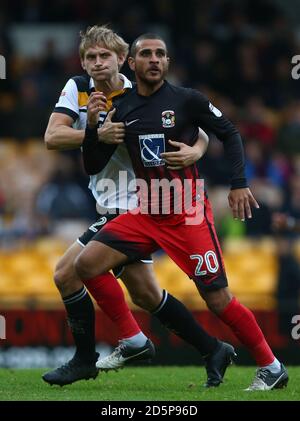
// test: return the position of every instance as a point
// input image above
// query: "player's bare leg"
(65, 277)
(145, 292)
(142, 285)
(96, 259)
(271, 374)
(81, 318)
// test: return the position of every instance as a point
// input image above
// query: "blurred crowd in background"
(237, 52)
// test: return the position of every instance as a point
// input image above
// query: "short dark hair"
(148, 35)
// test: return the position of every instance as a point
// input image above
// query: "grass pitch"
(144, 383)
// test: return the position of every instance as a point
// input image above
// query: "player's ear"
(121, 60)
(131, 63)
(82, 64)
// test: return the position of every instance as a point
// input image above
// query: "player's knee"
(83, 268)
(64, 277)
(60, 275)
(217, 301)
(215, 306)
(141, 301)
(147, 300)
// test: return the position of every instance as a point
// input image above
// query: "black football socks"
(177, 318)
(81, 320)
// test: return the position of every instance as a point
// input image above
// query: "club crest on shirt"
(168, 119)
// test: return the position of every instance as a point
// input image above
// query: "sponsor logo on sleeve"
(215, 110)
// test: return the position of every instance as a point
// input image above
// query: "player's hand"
(112, 133)
(241, 201)
(96, 103)
(184, 157)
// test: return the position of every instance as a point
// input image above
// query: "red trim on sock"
(109, 295)
(244, 325)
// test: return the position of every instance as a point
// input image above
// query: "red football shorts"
(194, 248)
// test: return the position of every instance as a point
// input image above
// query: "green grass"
(140, 383)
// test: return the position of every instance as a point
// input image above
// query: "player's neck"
(109, 86)
(146, 89)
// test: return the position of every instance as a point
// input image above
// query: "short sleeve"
(68, 100)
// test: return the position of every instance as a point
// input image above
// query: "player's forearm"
(63, 138)
(234, 153)
(95, 154)
(201, 144)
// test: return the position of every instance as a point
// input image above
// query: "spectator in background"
(29, 116)
(213, 166)
(62, 197)
(288, 283)
(247, 72)
(289, 132)
(287, 227)
(258, 123)
(262, 165)
(292, 203)
(283, 222)
(288, 286)
(50, 67)
(270, 198)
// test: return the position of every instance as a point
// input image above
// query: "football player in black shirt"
(102, 53)
(153, 112)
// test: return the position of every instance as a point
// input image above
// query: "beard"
(149, 80)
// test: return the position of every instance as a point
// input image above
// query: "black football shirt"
(150, 121)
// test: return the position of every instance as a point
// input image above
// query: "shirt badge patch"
(151, 146)
(168, 119)
(215, 110)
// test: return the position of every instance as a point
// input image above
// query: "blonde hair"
(102, 35)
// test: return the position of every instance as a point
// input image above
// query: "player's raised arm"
(212, 120)
(96, 153)
(60, 135)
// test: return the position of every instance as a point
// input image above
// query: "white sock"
(136, 341)
(275, 367)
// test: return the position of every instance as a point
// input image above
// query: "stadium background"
(237, 52)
